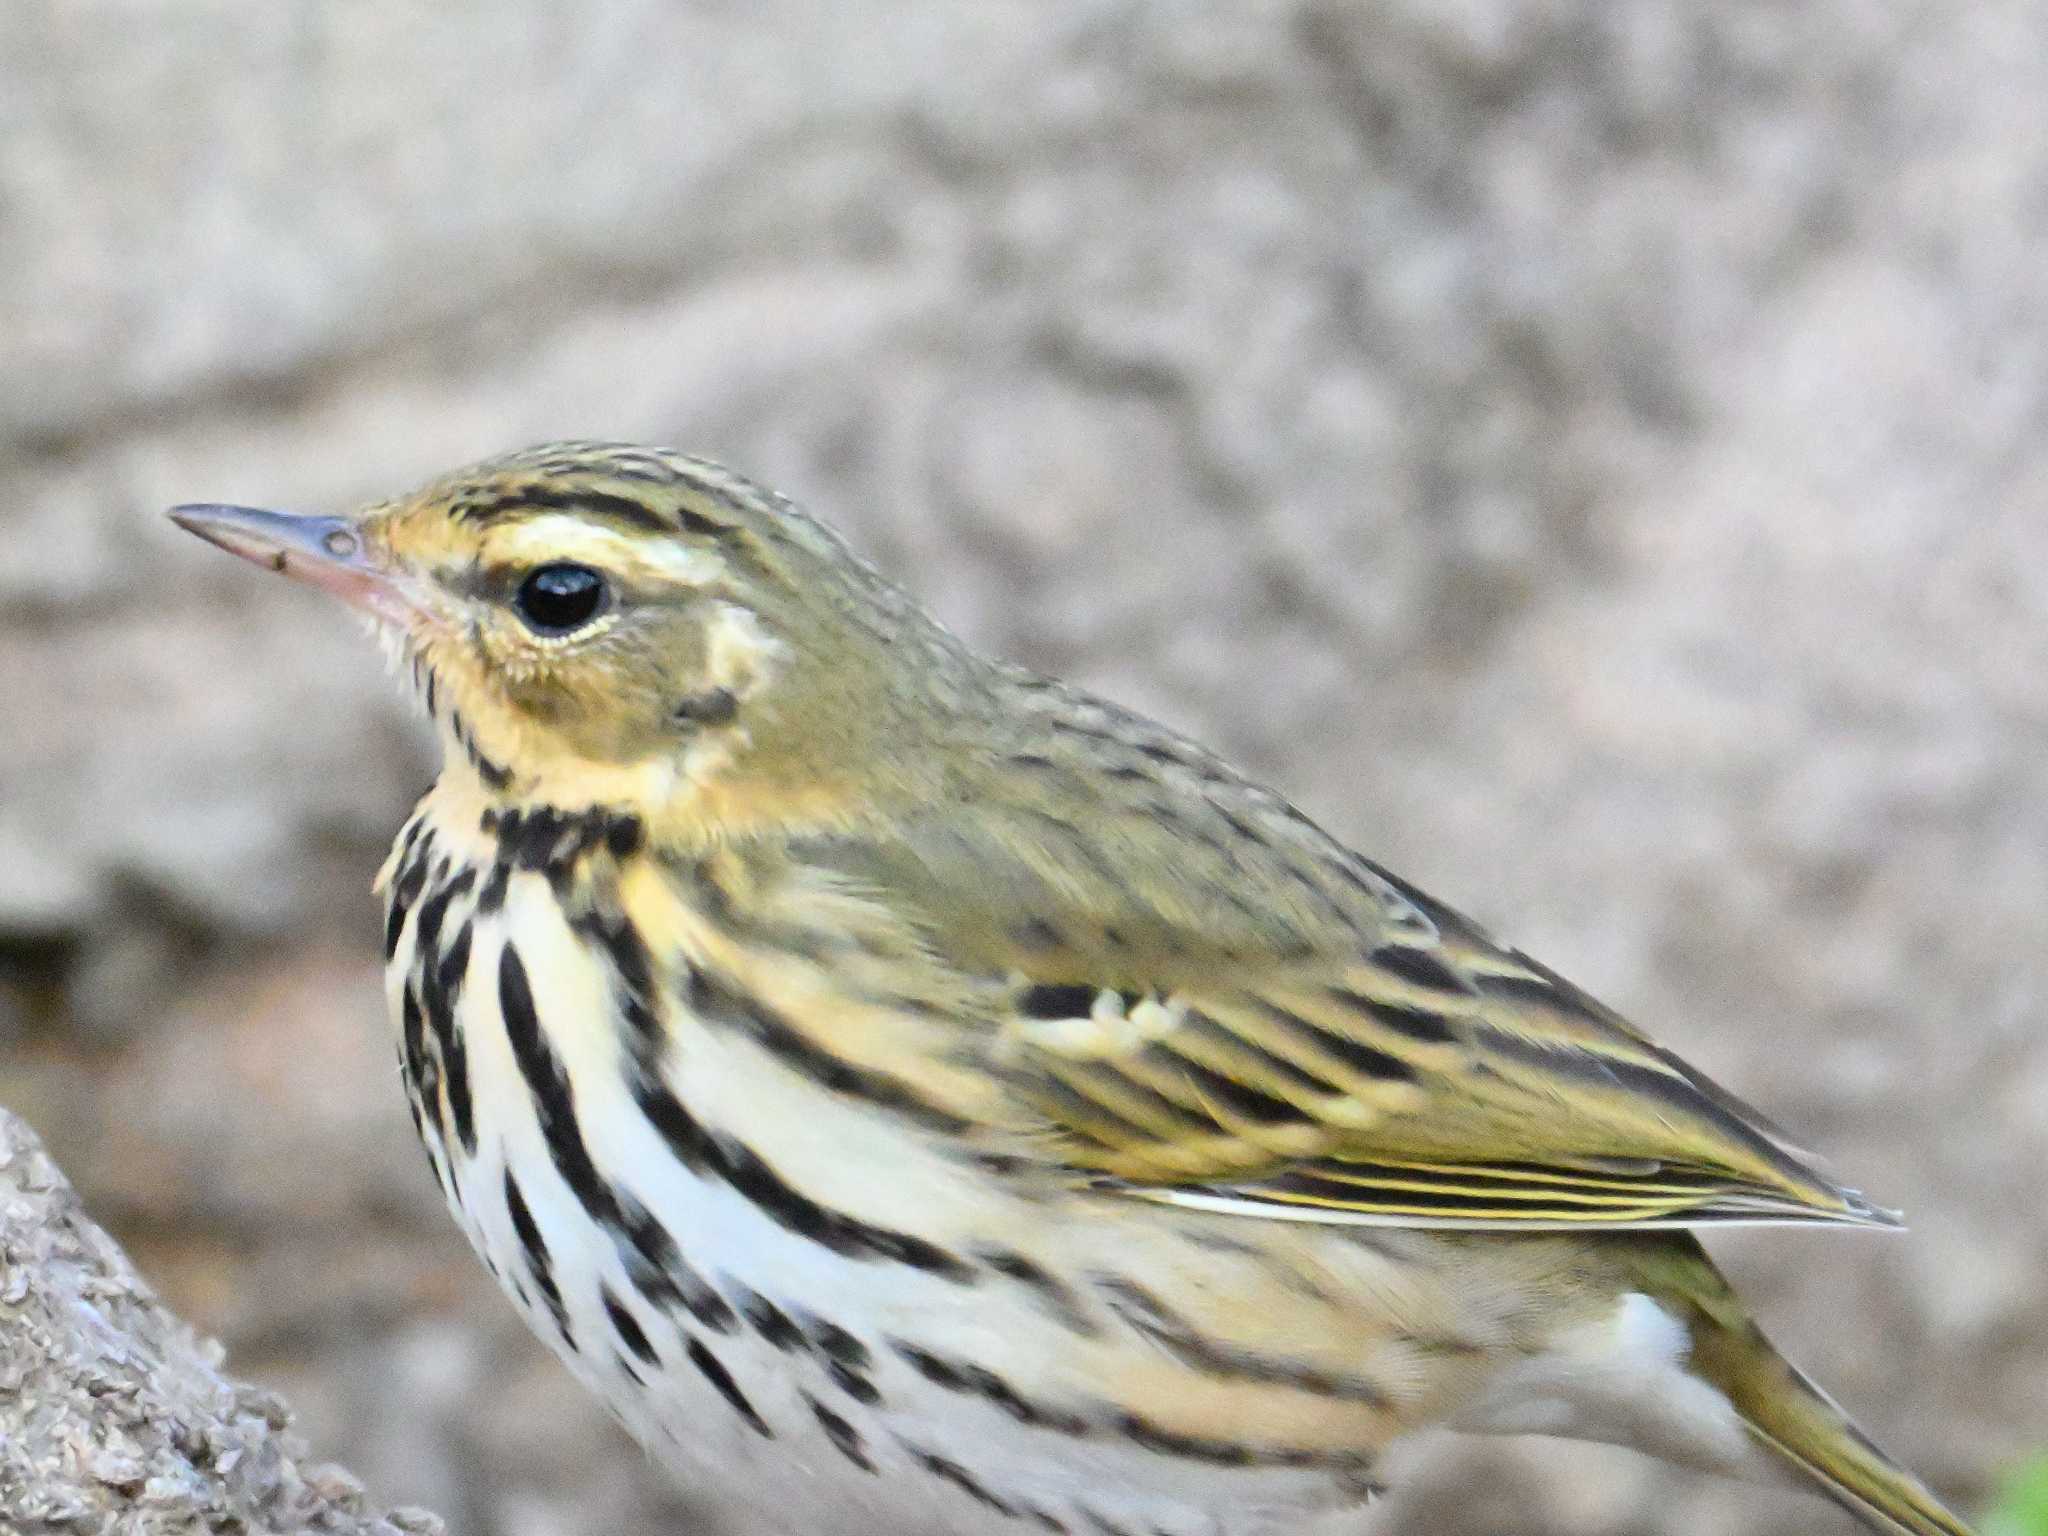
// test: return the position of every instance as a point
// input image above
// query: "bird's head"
(603, 624)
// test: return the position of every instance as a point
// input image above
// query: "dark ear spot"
(713, 707)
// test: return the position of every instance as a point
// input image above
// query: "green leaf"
(2022, 1507)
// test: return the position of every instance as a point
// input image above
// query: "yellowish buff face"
(612, 630)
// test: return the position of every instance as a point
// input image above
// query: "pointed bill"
(325, 552)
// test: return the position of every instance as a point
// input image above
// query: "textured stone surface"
(115, 1416)
(1590, 455)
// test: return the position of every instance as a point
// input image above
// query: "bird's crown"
(602, 623)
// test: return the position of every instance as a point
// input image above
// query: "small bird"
(919, 1096)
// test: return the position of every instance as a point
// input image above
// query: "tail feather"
(1802, 1425)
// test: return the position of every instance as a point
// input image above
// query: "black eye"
(557, 599)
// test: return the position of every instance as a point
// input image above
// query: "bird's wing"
(1426, 1082)
(1314, 1040)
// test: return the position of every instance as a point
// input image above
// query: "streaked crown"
(597, 622)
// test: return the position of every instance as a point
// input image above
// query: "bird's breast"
(765, 1257)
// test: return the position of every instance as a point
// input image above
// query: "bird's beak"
(326, 552)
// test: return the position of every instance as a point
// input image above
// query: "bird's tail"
(1802, 1426)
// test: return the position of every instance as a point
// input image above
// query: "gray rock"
(114, 1415)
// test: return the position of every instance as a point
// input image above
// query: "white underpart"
(1623, 1380)
(392, 644)
(837, 1154)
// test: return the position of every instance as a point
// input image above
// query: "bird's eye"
(559, 599)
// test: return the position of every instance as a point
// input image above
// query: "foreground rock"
(114, 1415)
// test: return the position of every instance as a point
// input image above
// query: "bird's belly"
(805, 1310)
(818, 1395)
(799, 1378)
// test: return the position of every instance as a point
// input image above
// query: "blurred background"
(1593, 456)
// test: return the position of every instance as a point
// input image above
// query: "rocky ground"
(115, 1417)
(1591, 455)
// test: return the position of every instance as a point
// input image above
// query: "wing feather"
(1505, 1101)
(1192, 994)
(1448, 1083)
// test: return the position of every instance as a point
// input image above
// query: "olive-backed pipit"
(920, 1096)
